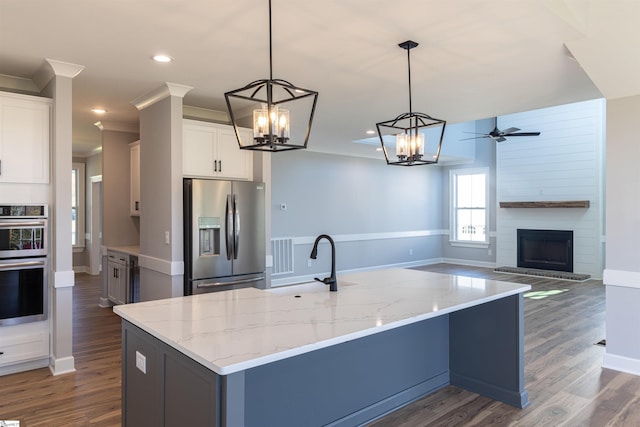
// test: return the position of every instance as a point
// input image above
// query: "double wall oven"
(23, 264)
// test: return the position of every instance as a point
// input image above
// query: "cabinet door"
(198, 149)
(190, 392)
(134, 167)
(142, 378)
(24, 139)
(234, 163)
(113, 282)
(162, 386)
(211, 150)
(118, 279)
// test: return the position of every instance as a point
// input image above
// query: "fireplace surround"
(545, 249)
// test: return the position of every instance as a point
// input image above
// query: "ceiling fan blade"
(523, 134)
(500, 139)
(475, 137)
(510, 130)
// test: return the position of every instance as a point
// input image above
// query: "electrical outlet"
(489, 252)
(141, 362)
(167, 240)
(309, 263)
(410, 251)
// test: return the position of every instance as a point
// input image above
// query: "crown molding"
(162, 92)
(117, 126)
(53, 68)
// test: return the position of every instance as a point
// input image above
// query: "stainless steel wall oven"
(23, 264)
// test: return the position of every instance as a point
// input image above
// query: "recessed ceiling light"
(162, 58)
(99, 110)
(371, 132)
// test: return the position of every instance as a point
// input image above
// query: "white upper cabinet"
(134, 171)
(210, 150)
(24, 138)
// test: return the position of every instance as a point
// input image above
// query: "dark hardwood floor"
(564, 378)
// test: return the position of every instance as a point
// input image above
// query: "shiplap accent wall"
(566, 162)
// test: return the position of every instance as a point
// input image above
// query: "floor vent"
(282, 250)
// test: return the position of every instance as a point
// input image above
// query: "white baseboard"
(621, 363)
(626, 279)
(26, 366)
(469, 263)
(63, 365)
(81, 269)
(105, 303)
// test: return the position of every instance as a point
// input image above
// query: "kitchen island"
(302, 355)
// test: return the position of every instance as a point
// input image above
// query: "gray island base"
(468, 333)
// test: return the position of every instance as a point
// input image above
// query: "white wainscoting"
(343, 238)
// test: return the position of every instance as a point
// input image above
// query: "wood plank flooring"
(563, 374)
(566, 385)
(88, 397)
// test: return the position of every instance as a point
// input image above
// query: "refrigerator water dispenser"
(209, 230)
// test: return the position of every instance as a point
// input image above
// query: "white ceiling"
(476, 59)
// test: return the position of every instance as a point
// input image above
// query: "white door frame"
(95, 261)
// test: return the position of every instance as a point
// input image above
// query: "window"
(77, 205)
(469, 212)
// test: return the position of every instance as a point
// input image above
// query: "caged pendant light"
(411, 138)
(279, 112)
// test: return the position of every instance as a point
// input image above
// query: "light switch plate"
(141, 362)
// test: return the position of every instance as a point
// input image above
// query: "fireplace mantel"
(547, 204)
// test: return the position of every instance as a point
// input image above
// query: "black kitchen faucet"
(331, 280)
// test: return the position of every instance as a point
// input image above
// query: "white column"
(61, 255)
(161, 252)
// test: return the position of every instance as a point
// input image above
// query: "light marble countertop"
(129, 250)
(236, 330)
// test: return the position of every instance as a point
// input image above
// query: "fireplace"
(545, 249)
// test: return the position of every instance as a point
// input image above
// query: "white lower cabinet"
(16, 350)
(210, 150)
(118, 277)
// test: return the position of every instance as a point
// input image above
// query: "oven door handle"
(21, 224)
(21, 264)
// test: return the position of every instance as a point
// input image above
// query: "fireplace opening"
(545, 249)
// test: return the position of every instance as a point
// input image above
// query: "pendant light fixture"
(411, 139)
(279, 112)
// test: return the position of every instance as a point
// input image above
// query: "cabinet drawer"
(21, 349)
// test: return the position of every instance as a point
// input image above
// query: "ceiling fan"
(501, 135)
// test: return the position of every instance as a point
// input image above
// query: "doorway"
(95, 230)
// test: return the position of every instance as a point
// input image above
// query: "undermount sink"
(307, 288)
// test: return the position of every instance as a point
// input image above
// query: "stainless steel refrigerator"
(224, 235)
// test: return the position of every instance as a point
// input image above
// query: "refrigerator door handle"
(235, 282)
(229, 228)
(236, 228)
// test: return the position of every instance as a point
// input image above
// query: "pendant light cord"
(270, 46)
(409, 67)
